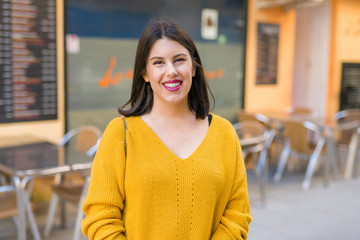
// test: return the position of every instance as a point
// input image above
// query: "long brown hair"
(142, 96)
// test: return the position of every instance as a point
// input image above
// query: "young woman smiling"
(181, 174)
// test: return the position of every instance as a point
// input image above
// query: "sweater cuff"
(221, 234)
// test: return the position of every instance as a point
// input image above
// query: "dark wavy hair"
(142, 96)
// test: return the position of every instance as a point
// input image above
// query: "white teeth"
(172, 85)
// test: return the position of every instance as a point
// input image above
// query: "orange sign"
(128, 75)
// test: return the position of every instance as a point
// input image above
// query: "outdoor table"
(24, 158)
(248, 140)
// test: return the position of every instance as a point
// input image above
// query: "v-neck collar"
(150, 132)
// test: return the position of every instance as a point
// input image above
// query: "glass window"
(105, 35)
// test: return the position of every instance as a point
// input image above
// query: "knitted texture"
(154, 194)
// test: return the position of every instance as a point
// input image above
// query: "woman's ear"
(145, 77)
(194, 72)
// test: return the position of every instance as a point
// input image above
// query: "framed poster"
(209, 24)
(267, 53)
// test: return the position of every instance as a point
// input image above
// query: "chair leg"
(278, 141)
(31, 217)
(262, 161)
(282, 162)
(312, 163)
(80, 214)
(349, 168)
(262, 169)
(51, 214)
(16, 222)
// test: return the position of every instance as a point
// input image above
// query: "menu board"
(28, 72)
(267, 53)
(350, 86)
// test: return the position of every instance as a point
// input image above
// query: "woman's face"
(169, 70)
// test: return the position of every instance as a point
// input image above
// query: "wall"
(51, 130)
(311, 58)
(344, 46)
(275, 97)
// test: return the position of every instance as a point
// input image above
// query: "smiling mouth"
(172, 85)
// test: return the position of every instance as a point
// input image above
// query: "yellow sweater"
(156, 195)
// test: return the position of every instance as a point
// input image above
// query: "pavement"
(288, 213)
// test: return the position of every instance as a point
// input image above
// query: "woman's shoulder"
(115, 122)
(222, 122)
(118, 123)
(223, 126)
(115, 126)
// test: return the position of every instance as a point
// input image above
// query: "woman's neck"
(174, 111)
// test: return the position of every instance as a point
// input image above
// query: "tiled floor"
(289, 213)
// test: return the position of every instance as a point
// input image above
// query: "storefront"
(101, 41)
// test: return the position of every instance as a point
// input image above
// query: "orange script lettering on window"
(128, 75)
(108, 79)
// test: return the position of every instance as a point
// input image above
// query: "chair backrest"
(250, 127)
(299, 135)
(84, 137)
(264, 120)
(243, 116)
(345, 116)
(299, 110)
(247, 129)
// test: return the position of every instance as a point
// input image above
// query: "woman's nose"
(171, 70)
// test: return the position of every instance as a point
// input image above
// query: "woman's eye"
(179, 59)
(157, 62)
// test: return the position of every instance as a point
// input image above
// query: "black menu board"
(267, 53)
(350, 86)
(28, 72)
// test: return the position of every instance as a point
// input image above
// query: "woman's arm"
(236, 218)
(105, 197)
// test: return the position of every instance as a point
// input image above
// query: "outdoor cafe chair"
(85, 140)
(347, 136)
(275, 127)
(258, 151)
(300, 143)
(345, 116)
(8, 204)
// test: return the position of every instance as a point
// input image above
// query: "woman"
(183, 176)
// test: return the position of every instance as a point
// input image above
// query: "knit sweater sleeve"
(236, 218)
(105, 197)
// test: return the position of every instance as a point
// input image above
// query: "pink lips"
(172, 85)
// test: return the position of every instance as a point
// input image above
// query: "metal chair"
(85, 140)
(348, 137)
(8, 205)
(299, 143)
(258, 151)
(272, 125)
(345, 116)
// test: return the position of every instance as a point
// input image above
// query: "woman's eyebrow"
(180, 54)
(156, 58)
(160, 58)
